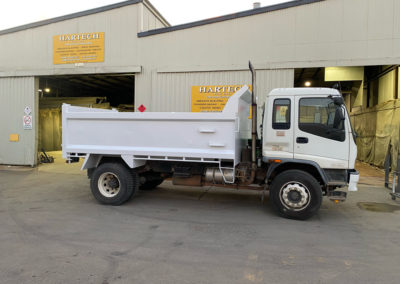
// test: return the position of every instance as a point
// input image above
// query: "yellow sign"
(14, 137)
(212, 98)
(78, 48)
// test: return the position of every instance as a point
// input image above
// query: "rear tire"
(113, 183)
(296, 194)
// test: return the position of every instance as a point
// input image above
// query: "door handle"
(302, 140)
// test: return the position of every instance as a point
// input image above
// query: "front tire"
(113, 184)
(296, 194)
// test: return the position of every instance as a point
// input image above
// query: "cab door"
(320, 132)
(278, 128)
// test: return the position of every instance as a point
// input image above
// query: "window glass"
(281, 114)
(321, 117)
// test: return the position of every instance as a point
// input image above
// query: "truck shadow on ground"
(171, 198)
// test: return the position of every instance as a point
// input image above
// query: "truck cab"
(308, 130)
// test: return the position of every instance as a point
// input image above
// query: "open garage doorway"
(87, 90)
(372, 97)
(348, 80)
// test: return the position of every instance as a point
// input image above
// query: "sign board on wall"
(27, 122)
(78, 48)
(212, 98)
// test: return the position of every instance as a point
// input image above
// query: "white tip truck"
(307, 148)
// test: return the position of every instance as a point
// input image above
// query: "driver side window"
(321, 117)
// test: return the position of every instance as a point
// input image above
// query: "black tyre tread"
(306, 179)
(128, 183)
(150, 185)
(136, 183)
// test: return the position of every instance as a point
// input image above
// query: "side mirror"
(338, 101)
(342, 113)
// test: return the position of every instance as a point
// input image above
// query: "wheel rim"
(295, 196)
(109, 184)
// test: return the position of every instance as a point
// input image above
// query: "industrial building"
(128, 56)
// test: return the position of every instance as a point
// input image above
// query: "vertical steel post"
(388, 161)
(398, 175)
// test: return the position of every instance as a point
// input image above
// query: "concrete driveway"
(53, 231)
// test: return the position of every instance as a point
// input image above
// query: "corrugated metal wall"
(119, 25)
(150, 21)
(15, 94)
(322, 34)
(172, 91)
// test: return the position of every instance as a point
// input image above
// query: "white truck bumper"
(353, 180)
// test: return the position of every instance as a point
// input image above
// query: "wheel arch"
(307, 166)
(95, 160)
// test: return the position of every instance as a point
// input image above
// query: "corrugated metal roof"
(247, 13)
(82, 14)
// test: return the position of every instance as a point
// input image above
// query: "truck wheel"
(296, 194)
(151, 184)
(113, 184)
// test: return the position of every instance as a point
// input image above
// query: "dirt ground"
(370, 175)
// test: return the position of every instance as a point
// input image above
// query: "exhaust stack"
(253, 122)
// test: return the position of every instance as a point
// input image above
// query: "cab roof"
(304, 91)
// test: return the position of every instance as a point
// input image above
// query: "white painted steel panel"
(15, 94)
(219, 136)
(327, 153)
(278, 143)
